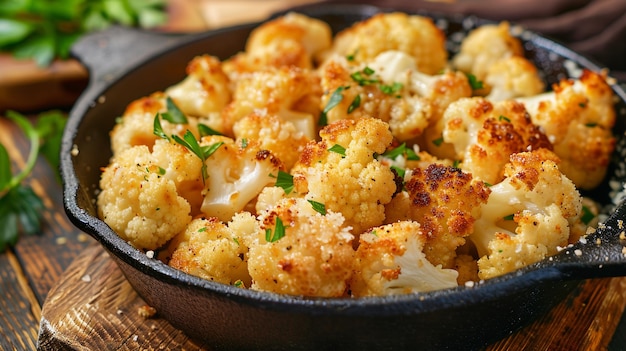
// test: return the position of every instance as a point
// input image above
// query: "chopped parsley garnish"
(474, 83)
(509, 217)
(203, 152)
(438, 141)
(355, 103)
(205, 130)
(456, 163)
(401, 172)
(244, 143)
(173, 114)
(284, 180)
(391, 89)
(335, 99)
(158, 129)
(338, 149)
(587, 215)
(504, 118)
(402, 150)
(591, 125)
(352, 56)
(279, 231)
(318, 207)
(239, 284)
(361, 77)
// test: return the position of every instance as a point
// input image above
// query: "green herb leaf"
(338, 149)
(244, 143)
(13, 31)
(474, 83)
(335, 99)
(391, 89)
(360, 77)
(355, 103)
(284, 180)
(587, 215)
(504, 118)
(318, 207)
(279, 231)
(401, 171)
(50, 127)
(438, 141)
(402, 150)
(174, 114)
(205, 130)
(5, 168)
(157, 128)
(203, 152)
(509, 217)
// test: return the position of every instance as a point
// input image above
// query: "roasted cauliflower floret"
(513, 77)
(446, 202)
(527, 216)
(484, 134)
(484, 46)
(341, 171)
(290, 40)
(211, 249)
(289, 92)
(273, 134)
(237, 172)
(139, 198)
(204, 92)
(299, 251)
(390, 260)
(415, 35)
(578, 117)
(390, 88)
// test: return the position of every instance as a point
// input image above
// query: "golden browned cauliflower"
(528, 215)
(578, 117)
(484, 46)
(290, 40)
(484, 134)
(389, 87)
(446, 202)
(289, 92)
(204, 92)
(300, 251)
(273, 134)
(390, 260)
(512, 77)
(211, 249)
(139, 198)
(341, 171)
(415, 35)
(236, 173)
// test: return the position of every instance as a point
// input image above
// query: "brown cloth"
(593, 28)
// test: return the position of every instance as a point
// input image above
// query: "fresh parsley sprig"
(20, 207)
(43, 30)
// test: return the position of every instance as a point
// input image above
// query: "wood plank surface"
(93, 307)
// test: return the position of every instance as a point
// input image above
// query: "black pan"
(127, 65)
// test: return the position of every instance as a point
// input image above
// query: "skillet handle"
(110, 53)
(600, 254)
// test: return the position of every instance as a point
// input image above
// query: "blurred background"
(38, 80)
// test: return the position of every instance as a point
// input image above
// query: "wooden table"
(59, 289)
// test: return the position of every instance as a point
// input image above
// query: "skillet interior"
(228, 317)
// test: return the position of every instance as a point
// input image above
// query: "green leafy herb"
(338, 149)
(391, 89)
(284, 180)
(335, 99)
(403, 150)
(20, 206)
(318, 207)
(203, 152)
(456, 163)
(279, 231)
(509, 217)
(360, 77)
(352, 56)
(43, 30)
(355, 103)
(239, 284)
(587, 215)
(591, 125)
(157, 128)
(474, 83)
(401, 171)
(438, 141)
(244, 143)
(504, 118)
(205, 130)
(173, 114)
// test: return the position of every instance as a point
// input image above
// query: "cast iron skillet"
(127, 65)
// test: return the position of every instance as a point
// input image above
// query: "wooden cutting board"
(93, 307)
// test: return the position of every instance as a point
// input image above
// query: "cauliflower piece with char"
(139, 198)
(415, 35)
(211, 249)
(299, 251)
(290, 40)
(578, 117)
(237, 172)
(527, 216)
(485, 134)
(272, 133)
(390, 260)
(446, 202)
(204, 92)
(484, 46)
(341, 172)
(291, 93)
